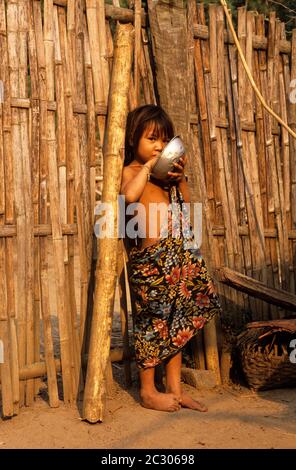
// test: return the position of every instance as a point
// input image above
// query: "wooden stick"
(5, 364)
(122, 287)
(256, 288)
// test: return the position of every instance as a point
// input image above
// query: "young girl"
(173, 293)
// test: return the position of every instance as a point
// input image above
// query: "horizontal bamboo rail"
(39, 369)
(26, 103)
(125, 15)
(40, 230)
(43, 230)
(259, 42)
(200, 31)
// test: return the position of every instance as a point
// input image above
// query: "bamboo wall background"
(56, 63)
(249, 159)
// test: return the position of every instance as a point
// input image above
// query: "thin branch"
(282, 5)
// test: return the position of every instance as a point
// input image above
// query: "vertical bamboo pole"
(5, 364)
(95, 163)
(213, 190)
(98, 78)
(27, 190)
(283, 165)
(100, 4)
(55, 208)
(40, 165)
(259, 69)
(265, 181)
(203, 170)
(91, 122)
(93, 407)
(293, 150)
(286, 103)
(258, 244)
(8, 208)
(34, 142)
(249, 163)
(228, 200)
(145, 70)
(75, 196)
(71, 42)
(122, 285)
(137, 49)
(281, 216)
(275, 218)
(67, 80)
(19, 197)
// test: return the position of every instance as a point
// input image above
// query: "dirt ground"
(237, 418)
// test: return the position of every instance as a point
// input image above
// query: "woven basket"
(263, 351)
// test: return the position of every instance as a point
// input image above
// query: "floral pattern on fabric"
(173, 293)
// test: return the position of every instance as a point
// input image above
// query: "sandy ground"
(237, 418)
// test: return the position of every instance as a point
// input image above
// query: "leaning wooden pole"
(106, 272)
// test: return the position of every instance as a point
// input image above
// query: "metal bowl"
(171, 154)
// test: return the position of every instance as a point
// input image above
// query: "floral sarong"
(173, 293)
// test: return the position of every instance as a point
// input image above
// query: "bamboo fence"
(55, 73)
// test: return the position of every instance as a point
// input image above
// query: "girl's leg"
(173, 383)
(151, 398)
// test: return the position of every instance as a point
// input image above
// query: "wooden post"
(95, 389)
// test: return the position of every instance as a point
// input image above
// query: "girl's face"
(150, 144)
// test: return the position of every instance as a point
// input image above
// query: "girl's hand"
(178, 174)
(150, 164)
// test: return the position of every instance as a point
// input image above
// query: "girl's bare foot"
(188, 402)
(160, 401)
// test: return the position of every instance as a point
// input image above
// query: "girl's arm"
(132, 185)
(180, 178)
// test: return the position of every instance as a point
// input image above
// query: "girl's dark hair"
(138, 121)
